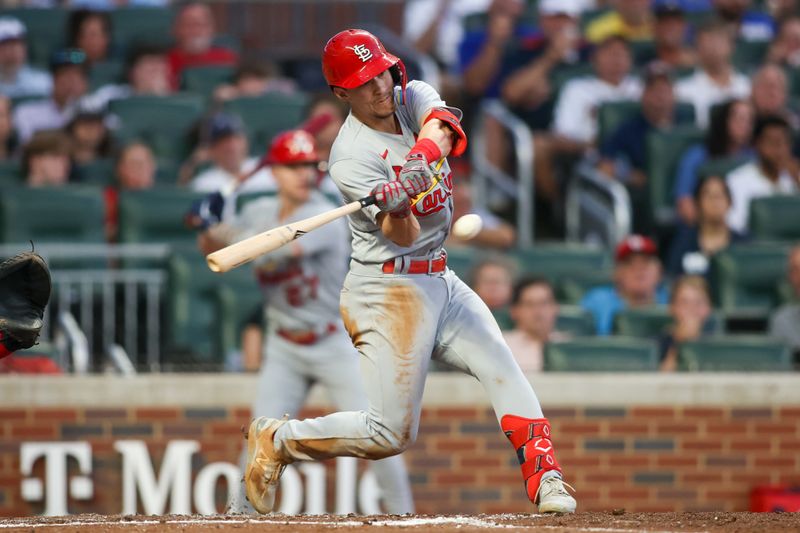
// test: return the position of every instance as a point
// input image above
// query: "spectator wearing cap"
(783, 324)
(89, 135)
(227, 152)
(255, 79)
(690, 309)
(714, 80)
(17, 78)
(69, 84)
(631, 19)
(194, 42)
(670, 31)
(147, 72)
(637, 283)
(534, 311)
(693, 246)
(743, 22)
(775, 171)
(91, 32)
(46, 159)
(785, 49)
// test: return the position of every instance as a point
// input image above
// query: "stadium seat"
(244, 199)
(203, 80)
(749, 55)
(745, 278)
(237, 298)
(461, 261)
(557, 261)
(775, 218)
(611, 115)
(71, 214)
(570, 289)
(163, 123)
(134, 25)
(10, 172)
(156, 216)
(646, 323)
(720, 166)
(98, 172)
(664, 149)
(267, 115)
(734, 354)
(167, 172)
(602, 354)
(503, 318)
(46, 31)
(575, 321)
(106, 73)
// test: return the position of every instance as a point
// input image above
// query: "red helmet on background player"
(293, 147)
(353, 57)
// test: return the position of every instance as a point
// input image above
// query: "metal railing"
(104, 309)
(518, 188)
(598, 208)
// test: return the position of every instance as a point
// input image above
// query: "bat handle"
(367, 200)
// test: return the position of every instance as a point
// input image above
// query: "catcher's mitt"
(24, 293)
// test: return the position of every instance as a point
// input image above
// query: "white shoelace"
(558, 488)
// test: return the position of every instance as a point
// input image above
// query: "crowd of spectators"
(726, 69)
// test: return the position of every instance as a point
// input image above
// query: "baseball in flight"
(468, 226)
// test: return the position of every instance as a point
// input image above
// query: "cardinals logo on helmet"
(363, 53)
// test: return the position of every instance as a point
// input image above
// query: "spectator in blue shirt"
(17, 78)
(637, 278)
(729, 136)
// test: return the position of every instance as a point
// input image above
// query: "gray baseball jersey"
(361, 158)
(302, 293)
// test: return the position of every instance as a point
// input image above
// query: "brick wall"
(640, 458)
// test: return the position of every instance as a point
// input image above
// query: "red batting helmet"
(353, 57)
(291, 148)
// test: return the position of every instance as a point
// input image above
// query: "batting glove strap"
(391, 197)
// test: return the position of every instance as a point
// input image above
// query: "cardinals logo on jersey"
(436, 199)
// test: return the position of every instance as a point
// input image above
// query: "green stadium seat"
(461, 261)
(245, 198)
(734, 354)
(720, 166)
(98, 172)
(10, 173)
(775, 218)
(46, 31)
(503, 318)
(645, 323)
(164, 123)
(557, 261)
(570, 289)
(655, 321)
(136, 25)
(267, 115)
(664, 149)
(106, 73)
(237, 298)
(575, 320)
(745, 278)
(601, 354)
(203, 80)
(748, 55)
(156, 216)
(611, 115)
(167, 172)
(70, 214)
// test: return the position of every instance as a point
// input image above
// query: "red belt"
(422, 266)
(306, 337)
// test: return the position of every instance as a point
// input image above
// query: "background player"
(305, 339)
(400, 303)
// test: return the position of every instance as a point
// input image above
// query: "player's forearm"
(439, 133)
(401, 231)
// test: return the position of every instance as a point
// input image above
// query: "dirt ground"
(612, 521)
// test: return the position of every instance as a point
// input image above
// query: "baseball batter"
(305, 339)
(400, 303)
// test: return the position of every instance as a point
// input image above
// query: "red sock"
(531, 440)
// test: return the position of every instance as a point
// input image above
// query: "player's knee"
(393, 439)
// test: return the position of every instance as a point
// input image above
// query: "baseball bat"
(244, 251)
